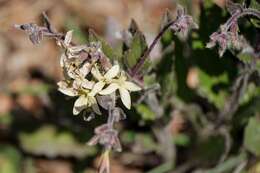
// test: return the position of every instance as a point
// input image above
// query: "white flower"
(124, 87)
(82, 89)
(103, 80)
(67, 89)
(85, 101)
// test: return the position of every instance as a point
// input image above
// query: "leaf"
(10, 159)
(255, 4)
(207, 82)
(181, 139)
(245, 57)
(48, 142)
(252, 136)
(133, 28)
(136, 50)
(228, 165)
(145, 112)
(106, 48)
(79, 35)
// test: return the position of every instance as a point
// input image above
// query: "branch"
(145, 55)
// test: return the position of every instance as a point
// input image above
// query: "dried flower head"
(106, 136)
(183, 22)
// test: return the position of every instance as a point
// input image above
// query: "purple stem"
(137, 67)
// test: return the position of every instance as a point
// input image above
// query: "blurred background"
(38, 133)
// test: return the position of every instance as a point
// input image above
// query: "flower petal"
(125, 97)
(96, 109)
(97, 88)
(65, 89)
(87, 84)
(80, 104)
(113, 72)
(110, 89)
(131, 86)
(62, 60)
(85, 69)
(96, 73)
(68, 38)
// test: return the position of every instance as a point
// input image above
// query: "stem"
(245, 12)
(134, 71)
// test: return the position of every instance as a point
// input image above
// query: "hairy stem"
(134, 71)
(239, 14)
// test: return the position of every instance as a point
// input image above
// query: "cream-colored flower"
(85, 101)
(124, 88)
(66, 88)
(104, 79)
(86, 92)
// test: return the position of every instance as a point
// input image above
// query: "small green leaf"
(207, 82)
(252, 136)
(106, 48)
(79, 35)
(245, 57)
(136, 50)
(255, 4)
(10, 159)
(133, 28)
(51, 143)
(181, 139)
(145, 112)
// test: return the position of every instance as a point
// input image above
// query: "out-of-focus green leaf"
(210, 148)
(47, 141)
(197, 44)
(163, 168)
(10, 159)
(228, 165)
(205, 89)
(146, 142)
(255, 4)
(78, 34)
(36, 89)
(145, 112)
(137, 48)
(252, 136)
(28, 166)
(5, 119)
(181, 139)
(128, 136)
(251, 92)
(245, 57)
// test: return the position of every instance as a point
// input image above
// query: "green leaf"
(228, 165)
(145, 112)
(106, 48)
(10, 159)
(80, 36)
(136, 50)
(48, 142)
(255, 4)
(181, 139)
(252, 136)
(205, 89)
(245, 57)
(133, 28)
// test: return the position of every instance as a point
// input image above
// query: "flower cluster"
(183, 23)
(226, 38)
(86, 79)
